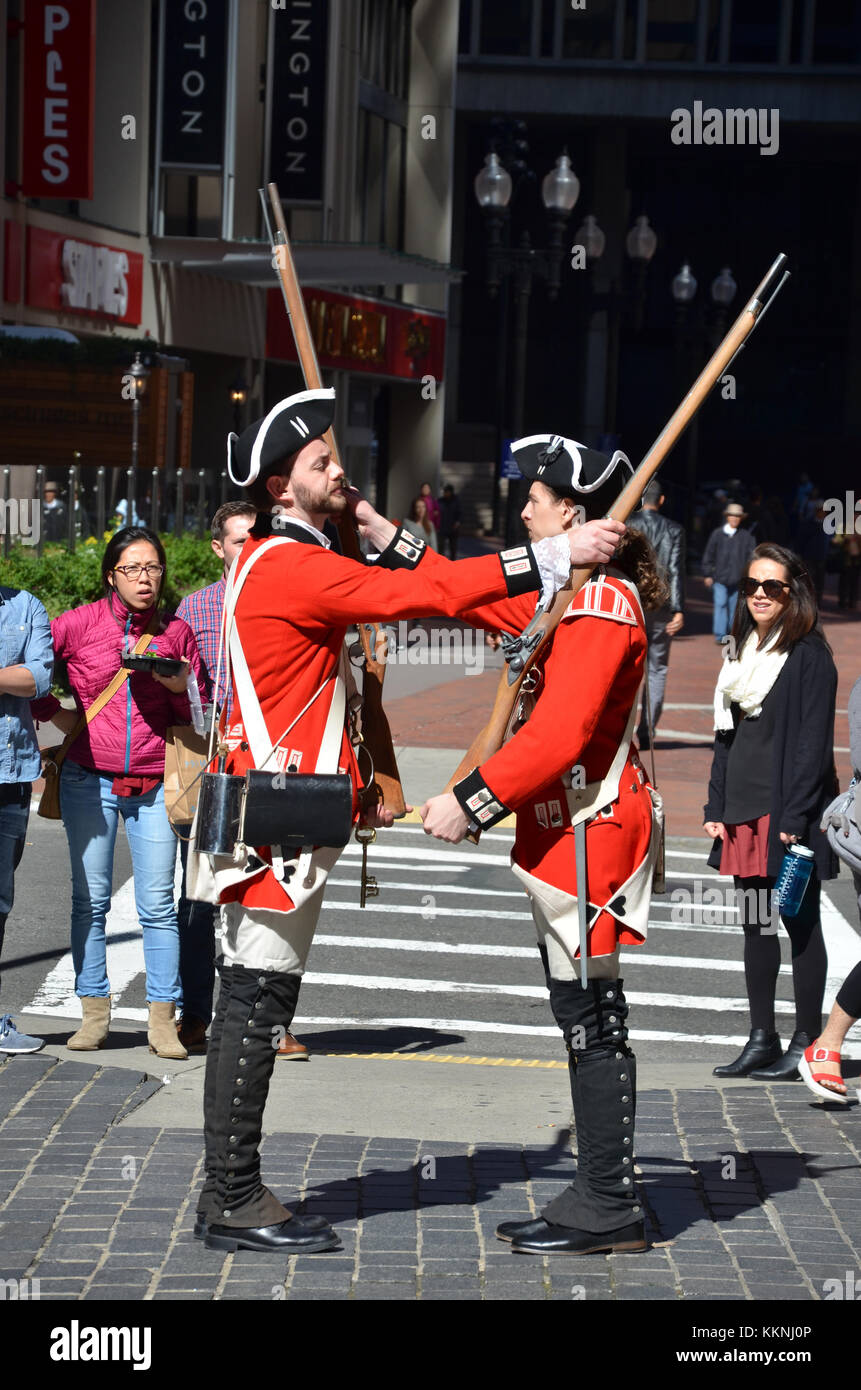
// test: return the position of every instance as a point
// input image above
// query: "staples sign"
(81, 277)
(59, 74)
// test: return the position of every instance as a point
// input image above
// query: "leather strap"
(107, 694)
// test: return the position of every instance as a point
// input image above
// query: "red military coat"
(292, 616)
(587, 686)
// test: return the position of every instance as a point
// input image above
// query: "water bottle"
(793, 879)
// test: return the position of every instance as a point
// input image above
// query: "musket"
(522, 653)
(385, 785)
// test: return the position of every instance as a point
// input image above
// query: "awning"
(354, 264)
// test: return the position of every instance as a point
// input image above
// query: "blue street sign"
(507, 467)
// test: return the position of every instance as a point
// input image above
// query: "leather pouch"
(295, 809)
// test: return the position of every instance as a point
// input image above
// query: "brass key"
(369, 888)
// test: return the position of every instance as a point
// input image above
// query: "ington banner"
(297, 86)
(193, 83)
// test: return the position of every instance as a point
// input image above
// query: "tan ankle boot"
(161, 1033)
(93, 1031)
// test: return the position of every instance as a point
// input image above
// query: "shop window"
(837, 35)
(588, 33)
(755, 32)
(671, 36)
(385, 45)
(548, 27)
(191, 204)
(380, 177)
(464, 27)
(506, 28)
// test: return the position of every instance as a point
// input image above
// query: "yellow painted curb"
(447, 1057)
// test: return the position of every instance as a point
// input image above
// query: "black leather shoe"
(786, 1067)
(301, 1235)
(565, 1240)
(514, 1230)
(760, 1050)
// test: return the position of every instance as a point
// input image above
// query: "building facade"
(136, 136)
(733, 126)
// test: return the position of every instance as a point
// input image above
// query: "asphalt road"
(444, 959)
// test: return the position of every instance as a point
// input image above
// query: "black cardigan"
(804, 778)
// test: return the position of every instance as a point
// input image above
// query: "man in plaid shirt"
(202, 611)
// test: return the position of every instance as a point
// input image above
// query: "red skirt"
(745, 849)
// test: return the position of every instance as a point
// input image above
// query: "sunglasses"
(772, 588)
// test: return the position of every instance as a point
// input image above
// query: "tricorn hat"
(594, 479)
(290, 425)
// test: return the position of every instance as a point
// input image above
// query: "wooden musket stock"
(543, 625)
(376, 734)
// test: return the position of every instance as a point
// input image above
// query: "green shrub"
(63, 579)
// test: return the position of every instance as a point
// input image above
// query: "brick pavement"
(751, 1194)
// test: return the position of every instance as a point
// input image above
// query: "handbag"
(54, 757)
(186, 757)
(840, 821)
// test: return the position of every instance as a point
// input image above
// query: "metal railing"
(100, 500)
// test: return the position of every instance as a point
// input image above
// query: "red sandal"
(821, 1083)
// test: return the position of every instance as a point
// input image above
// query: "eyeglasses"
(133, 571)
(772, 588)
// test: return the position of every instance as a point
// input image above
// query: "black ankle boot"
(786, 1067)
(760, 1050)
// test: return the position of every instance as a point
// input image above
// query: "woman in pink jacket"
(115, 767)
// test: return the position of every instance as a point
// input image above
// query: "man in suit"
(667, 539)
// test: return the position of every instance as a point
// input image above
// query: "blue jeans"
(91, 813)
(724, 608)
(196, 949)
(14, 815)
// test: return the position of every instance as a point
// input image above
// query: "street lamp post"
(683, 289)
(139, 373)
(560, 190)
(238, 397)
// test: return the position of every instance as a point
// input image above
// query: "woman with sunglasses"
(772, 777)
(115, 767)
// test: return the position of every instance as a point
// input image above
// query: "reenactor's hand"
(594, 543)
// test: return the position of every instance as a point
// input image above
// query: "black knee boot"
(259, 1004)
(600, 1210)
(207, 1209)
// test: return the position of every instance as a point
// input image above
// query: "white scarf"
(747, 681)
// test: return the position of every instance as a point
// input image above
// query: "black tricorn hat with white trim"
(290, 425)
(593, 479)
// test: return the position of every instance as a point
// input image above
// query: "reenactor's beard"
(330, 502)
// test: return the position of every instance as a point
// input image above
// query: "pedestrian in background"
(115, 767)
(431, 503)
(28, 657)
(55, 523)
(772, 777)
(202, 611)
(449, 521)
(667, 539)
(419, 523)
(728, 549)
(820, 1066)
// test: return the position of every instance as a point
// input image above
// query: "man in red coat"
(290, 599)
(571, 772)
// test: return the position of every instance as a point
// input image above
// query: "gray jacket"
(667, 539)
